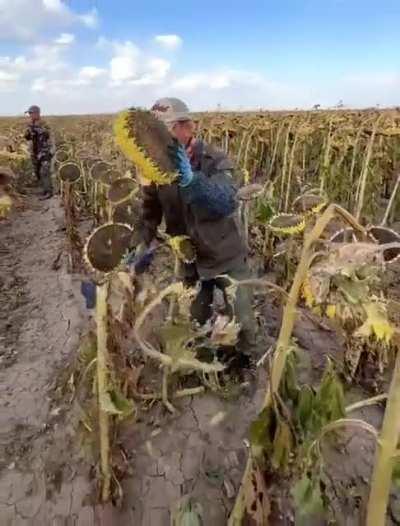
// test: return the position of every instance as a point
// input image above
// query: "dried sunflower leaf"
(256, 501)
(376, 324)
(225, 332)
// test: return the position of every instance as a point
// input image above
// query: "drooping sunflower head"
(309, 204)
(384, 235)
(102, 172)
(107, 245)
(69, 172)
(287, 224)
(121, 190)
(126, 212)
(144, 140)
(62, 155)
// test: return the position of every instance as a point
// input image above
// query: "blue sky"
(101, 55)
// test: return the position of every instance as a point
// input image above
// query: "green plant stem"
(385, 454)
(102, 387)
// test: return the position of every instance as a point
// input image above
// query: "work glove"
(140, 259)
(88, 291)
(181, 162)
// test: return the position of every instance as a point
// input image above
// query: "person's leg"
(45, 177)
(188, 274)
(242, 306)
(36, 169)
(201, 309)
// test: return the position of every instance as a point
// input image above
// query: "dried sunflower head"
(69, 172)
(62, 156)
(126, 213)
(309, 204)
(100, 172)
(107, 245)
(121, 190)
(383, 235)
(144, 140)
(287, 224)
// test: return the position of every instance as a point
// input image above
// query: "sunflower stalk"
(365, 170)
(385, 454)
(391, 202)
(102, 387)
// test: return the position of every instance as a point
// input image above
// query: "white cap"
(171, 110)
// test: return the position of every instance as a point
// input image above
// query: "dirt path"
(41, 482)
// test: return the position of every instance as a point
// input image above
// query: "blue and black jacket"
(206, 210)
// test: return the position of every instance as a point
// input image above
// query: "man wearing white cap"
(201, 204)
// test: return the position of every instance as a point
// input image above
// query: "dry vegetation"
(322, 222)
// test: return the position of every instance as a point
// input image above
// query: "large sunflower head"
(144, 140)
(107, 245)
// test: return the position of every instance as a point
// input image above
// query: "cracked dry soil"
(45, 479)
(42, 480)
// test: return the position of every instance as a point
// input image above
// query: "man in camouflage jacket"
(203, 205)
(38, 133)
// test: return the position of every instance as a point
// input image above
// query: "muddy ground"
(199, 452)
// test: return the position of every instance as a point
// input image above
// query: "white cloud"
(54, 5)
(65, 39)
(27, 19)
(170, 42)
(218, 80)
(124, 64)
(129, 65)
(90, 19)
(39, 84)
(92, 72)
(88, 75)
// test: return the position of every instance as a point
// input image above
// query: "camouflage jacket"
(206, 211)
(39, 135)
